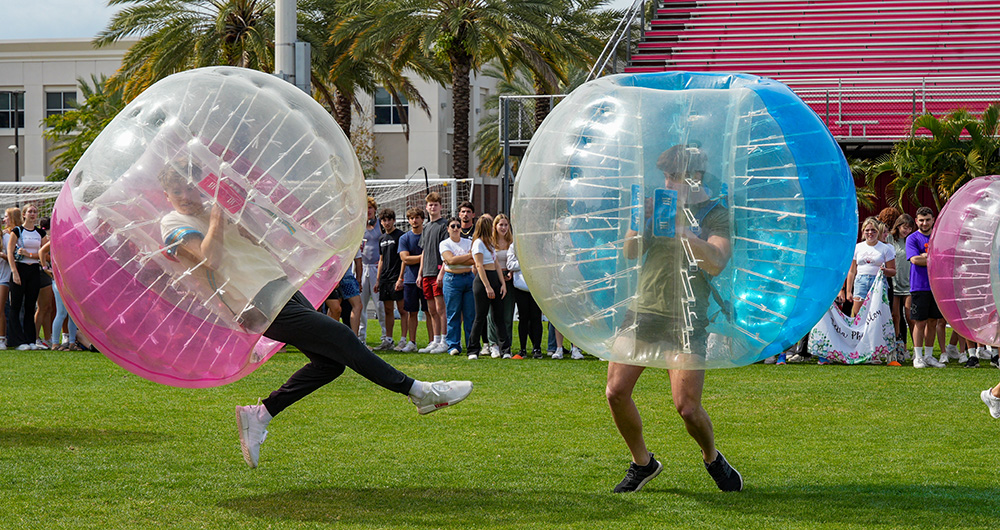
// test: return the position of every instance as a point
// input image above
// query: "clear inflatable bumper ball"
(963, 260)
(196, 214)
(684, 220)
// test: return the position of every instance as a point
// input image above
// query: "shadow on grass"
(60, 436)
(435, 507)
(866, 505)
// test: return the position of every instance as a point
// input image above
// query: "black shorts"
(665, 331)
(923, 306)
(413, 298)
(387, 292)
(336, 294)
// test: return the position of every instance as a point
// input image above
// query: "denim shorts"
(862, 284)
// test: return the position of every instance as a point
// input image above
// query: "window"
(11, 106)
(385, 112)
(59, 102)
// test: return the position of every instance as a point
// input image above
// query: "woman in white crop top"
(488, 290)
(502, 242)
(870, 257)
(22, 255)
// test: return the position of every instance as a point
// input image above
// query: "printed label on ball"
(664, 212)
(636, 207)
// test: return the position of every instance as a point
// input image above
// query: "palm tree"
(177, 35)
(338, 65)
(945, 161)
(462, 35)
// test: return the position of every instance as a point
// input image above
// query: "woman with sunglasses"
(489, 290)
(22, 255)
(455, 278)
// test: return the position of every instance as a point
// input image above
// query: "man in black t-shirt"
(389, 266)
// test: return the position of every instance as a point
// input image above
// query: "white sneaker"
(410, 346)
(440, 348)
(429, 347)
(576, 354)
(25, 347)
(494, 351)
(991, 402)
(796, 359)
(454, 351)
(930, 360)
(951, 350)
(473, 357)
(386, 344)
(918, 361)
(252, 423)
(442, 394)
(507, 356)
(962, 358)
(982, 354)
(558, 354)
(401, 344)
(944, 358)
(3, 343)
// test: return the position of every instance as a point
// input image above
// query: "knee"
(689, 411)
(617, 395)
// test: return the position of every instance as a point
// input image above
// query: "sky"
(73, 19)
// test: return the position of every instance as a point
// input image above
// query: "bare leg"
(995, 392)
(940, 325)
(621, 382)
(355, 313)
(686, 387)
(390, 318)
(441, 324)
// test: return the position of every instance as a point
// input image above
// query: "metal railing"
(629, 31)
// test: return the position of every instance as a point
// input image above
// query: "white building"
(39, 77)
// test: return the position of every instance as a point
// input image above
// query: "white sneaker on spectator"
(918, 361)
(386, 344)
(3, 343)
(507, 356)
(494, 351)
(962, 358)
(931, 361)
(943, 359)
(473, 357)
(558, 354)
(440, 348)
(796, 359)
(427, 349)
(25, 347)
(981, 353)
(951, 350)
(252, 423)
(410, 346)
(440, 394)
(576, 354)
(991, 402)
(454, 351)
(399, 345)
(41, 345)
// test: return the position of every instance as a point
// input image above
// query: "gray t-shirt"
(434, 233)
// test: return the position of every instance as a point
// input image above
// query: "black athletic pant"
(483, 305)
(530, 316)
(330, 347)
(23, 297)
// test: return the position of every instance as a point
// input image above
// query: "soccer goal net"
(19, 194)
(400, 194)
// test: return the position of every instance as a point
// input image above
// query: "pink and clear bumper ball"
(131, 228)
(684, 220)
(963, 260)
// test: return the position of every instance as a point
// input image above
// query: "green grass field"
(84, 444)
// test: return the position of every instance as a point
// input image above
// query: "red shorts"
(431, 287)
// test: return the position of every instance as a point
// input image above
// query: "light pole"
(16, 96)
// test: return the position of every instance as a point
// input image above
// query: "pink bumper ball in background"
(288, 197)
(962, 260)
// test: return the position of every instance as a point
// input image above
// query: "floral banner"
(857, 340)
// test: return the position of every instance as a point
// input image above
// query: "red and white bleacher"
(865, 66)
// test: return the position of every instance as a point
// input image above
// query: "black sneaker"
(637, 476)
(995, 361)
(725, 476)
(973, 362)
(537, 354)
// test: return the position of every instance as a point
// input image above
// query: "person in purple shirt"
(924, 310)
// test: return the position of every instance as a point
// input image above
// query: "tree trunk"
(342, 112)
(460, 68)
(543, 104)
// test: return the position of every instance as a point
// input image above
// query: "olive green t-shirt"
(660, 289)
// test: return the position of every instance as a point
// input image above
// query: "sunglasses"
(454, 226)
